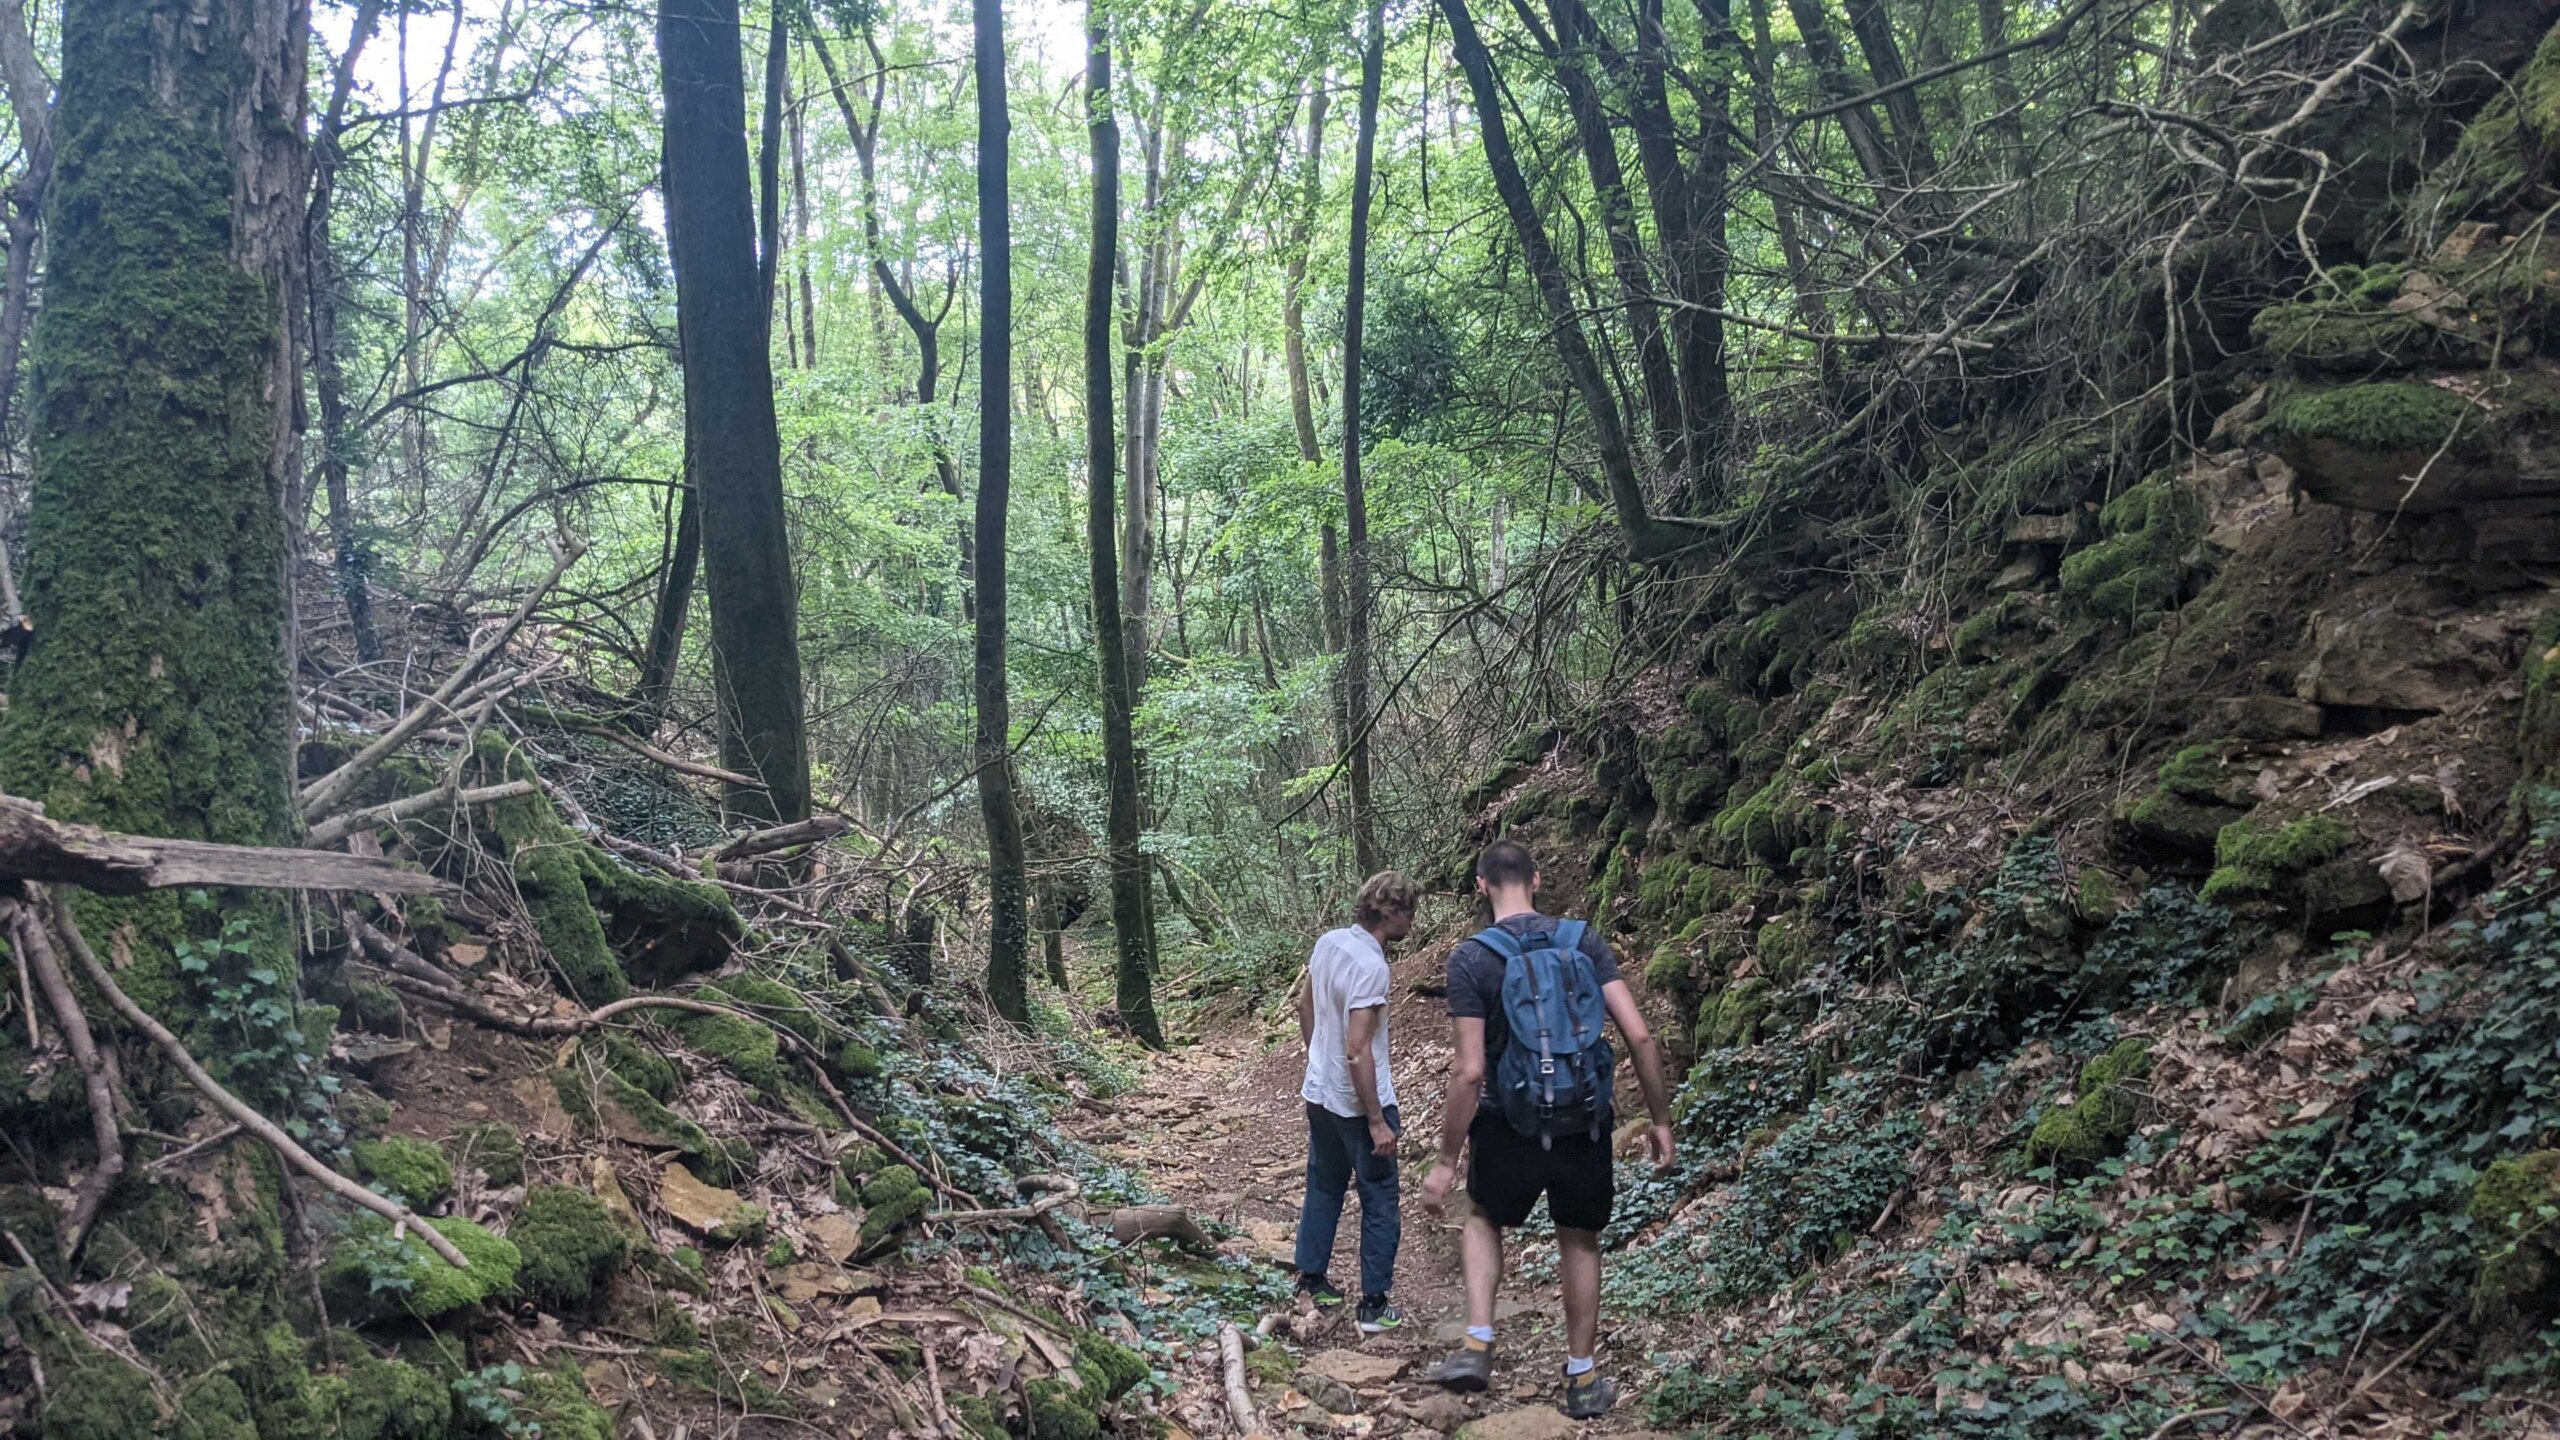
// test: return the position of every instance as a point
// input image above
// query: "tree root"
(101, 1180)
(402, 1218)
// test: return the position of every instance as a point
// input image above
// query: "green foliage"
(392, 1400)
(891, 1199)
(372, 1276)
(247, 998)
(571, 1244)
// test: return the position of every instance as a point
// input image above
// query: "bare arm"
(1466, 1074)
(1304, 993)
(1359, 1030)
(1648, 1058)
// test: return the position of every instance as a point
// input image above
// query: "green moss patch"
(2250, 859)
(572, 1246)
(2514, 1207)
(2096, 1125)
(891, 1199)
(373, 1277)
(2138, 570)
(411, 1170)
(2385, 417)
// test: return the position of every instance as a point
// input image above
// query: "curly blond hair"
(1389, 892)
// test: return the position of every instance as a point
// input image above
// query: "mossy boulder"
(1109, 1369)
(373, 1277)
(381, 1399)
(495, 1150)
(415, 1171)
(648, 1070)
(1732, 1016)
(2139, 569)
(2252, 858)
(1058, 1410)
(2097, 1123)
(572, 1246)
(616, 1107)
(2514, 1207)
(891, 1199)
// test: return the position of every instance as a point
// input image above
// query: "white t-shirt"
(1347, 972)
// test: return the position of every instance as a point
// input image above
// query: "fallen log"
(1132, 1223)
(783, 837)
(35, 847)
(1240, 1412)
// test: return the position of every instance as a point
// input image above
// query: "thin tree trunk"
(1571, 51)
(728, 372)
(1812, 311)
(2007, 118)
(1293, 314)
(1858, 122)
(1646, 537)
(675, 600)
(351, 558)
(777, 62)
(800, 242)
(1355, 500)
(1913, 147)
(1132, 924)
(1008, 921)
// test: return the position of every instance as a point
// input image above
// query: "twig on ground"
(95, 1079)
(339, 827)
(192, 1148)
(1240, 1411)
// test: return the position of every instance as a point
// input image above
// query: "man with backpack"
(1352, 1123)
(1530, 1098)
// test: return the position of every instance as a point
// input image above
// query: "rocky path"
(1219, 1126)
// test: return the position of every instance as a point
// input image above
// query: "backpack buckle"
(1546, 1067)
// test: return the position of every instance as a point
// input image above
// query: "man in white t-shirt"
(1351, 1098)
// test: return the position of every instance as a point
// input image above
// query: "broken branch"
(33, 847)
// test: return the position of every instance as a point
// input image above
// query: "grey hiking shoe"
(1378, 1315)
(1466, 1370)
(1588, 1396)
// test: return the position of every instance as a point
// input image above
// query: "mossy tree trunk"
(155, 699)
(728, 384)
(1008, 903)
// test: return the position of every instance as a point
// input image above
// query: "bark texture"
(728, 383)
(1008, 898)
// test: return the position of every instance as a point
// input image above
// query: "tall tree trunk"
(728, 384)
(1571, 50)
(1008, 921)
(800, 243)
(351, 557)
(1913, 148)
(1812, 310)
(777, 53)
(1858, 122)
(1355, 500)
(155, 699)
(1132, 922)
(1646, 537)
(2008, 108)
(29, 91)
(1302, 405)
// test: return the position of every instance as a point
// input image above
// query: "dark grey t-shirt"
(1475, 978)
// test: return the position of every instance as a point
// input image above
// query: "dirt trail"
(1220, 1127)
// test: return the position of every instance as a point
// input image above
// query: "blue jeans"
(1337, 1151)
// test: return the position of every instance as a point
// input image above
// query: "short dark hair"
(1506, 862)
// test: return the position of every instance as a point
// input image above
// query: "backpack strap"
(1569, 936)
(1504, 945)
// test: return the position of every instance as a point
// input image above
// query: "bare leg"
(1480, 1257)
(1578, 1264)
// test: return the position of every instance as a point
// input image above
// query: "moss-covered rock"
(2139, 569)
(2514, 1207)
(891, 1199)
(2251, 859)
(2096, 1124)
(1109, 1368)
(1057, 1410)
(622, 1110)
(494, 1150)
(382, 1399)
(981, 1416)
(1732, 1015)
(373, 1277)
(648, 1070)
(572, 1246)
(413, 1170)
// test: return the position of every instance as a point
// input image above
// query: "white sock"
(1575, 1365)
(1481, 1334)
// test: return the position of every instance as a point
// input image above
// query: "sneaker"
(1467, 1369)
(1378, 1315)
(1588, 1396)
(1320, 1290)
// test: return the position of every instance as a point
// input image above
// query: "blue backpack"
(1554, 1076)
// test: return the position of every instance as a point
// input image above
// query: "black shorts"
(1507, 1172)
